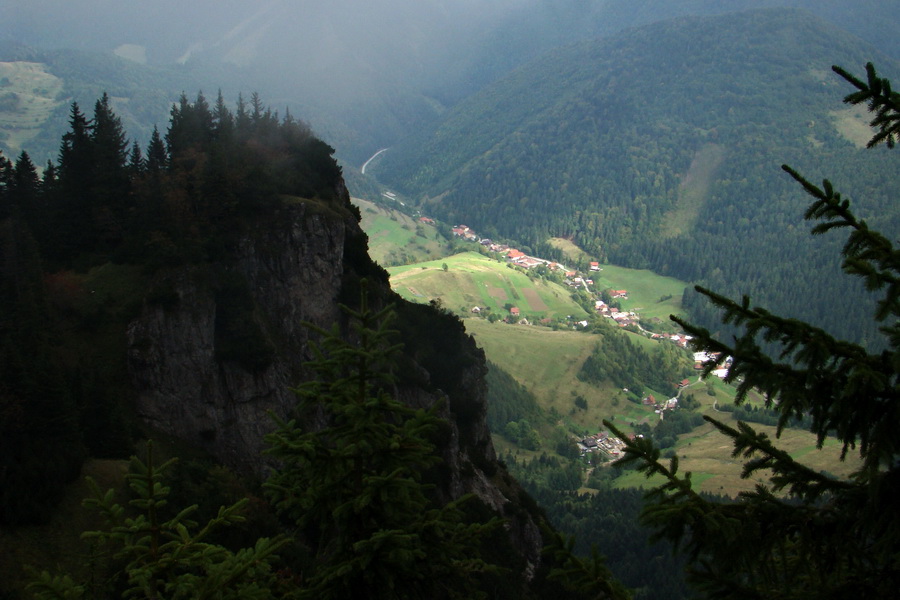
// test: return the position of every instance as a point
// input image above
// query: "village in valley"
(573, 279)
(601, 445)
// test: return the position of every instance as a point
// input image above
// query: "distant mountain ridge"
(367, 75)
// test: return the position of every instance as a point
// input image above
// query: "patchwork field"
(28, 96)
(706, 453)
(474, 280)
(547, 361)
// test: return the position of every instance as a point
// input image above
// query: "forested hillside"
(660, 147)
(38, 86)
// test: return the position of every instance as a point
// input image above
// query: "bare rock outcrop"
(213, 379)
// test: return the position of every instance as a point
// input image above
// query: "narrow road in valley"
(366, 164)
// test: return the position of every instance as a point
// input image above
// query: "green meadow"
(396, 238)
(547, 361)
(706, 453)
(473, 280)
(650, 295)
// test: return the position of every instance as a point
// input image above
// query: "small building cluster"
(703, 357)
(601, 442)
(572, 279)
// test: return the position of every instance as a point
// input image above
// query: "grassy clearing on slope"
(652, 296)
(28, 96)
(570, 249)
(693, 191)
(853, 123)
(472, 279)
(547, 363)
(396, 238)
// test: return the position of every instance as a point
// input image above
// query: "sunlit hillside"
(395, 238)
(473, 280)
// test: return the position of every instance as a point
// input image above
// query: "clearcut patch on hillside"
(569, 249)
(28, 96)
(853, 124)
(693, 191)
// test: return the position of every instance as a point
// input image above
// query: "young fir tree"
(151, 551)
(354, 486)
(804, 533)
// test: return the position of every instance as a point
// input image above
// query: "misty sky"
(168, 28)
(361, 62)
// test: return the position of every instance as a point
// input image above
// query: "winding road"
(366, 164)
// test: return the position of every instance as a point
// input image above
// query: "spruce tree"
(70, 215)
(157, 158)
(6, 185)
(803, 533)
(110, 177)
(151, 550)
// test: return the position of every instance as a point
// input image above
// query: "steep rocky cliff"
(215, 350)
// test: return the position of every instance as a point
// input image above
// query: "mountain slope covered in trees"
(658, 148)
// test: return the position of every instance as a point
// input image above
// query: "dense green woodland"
(799, 533)
(143, 93)
(369, 91)
(628, 365)
(129, 211)
(659, 148)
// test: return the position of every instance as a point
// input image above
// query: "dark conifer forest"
(184, 199)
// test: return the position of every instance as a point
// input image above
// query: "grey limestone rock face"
(293, 274)
(296, 269)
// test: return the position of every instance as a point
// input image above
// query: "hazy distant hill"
(543, 25)
(38, 87)
(660, 147)
(365, 75)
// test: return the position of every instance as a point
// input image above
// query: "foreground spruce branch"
(142, 554)
(803, 534)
